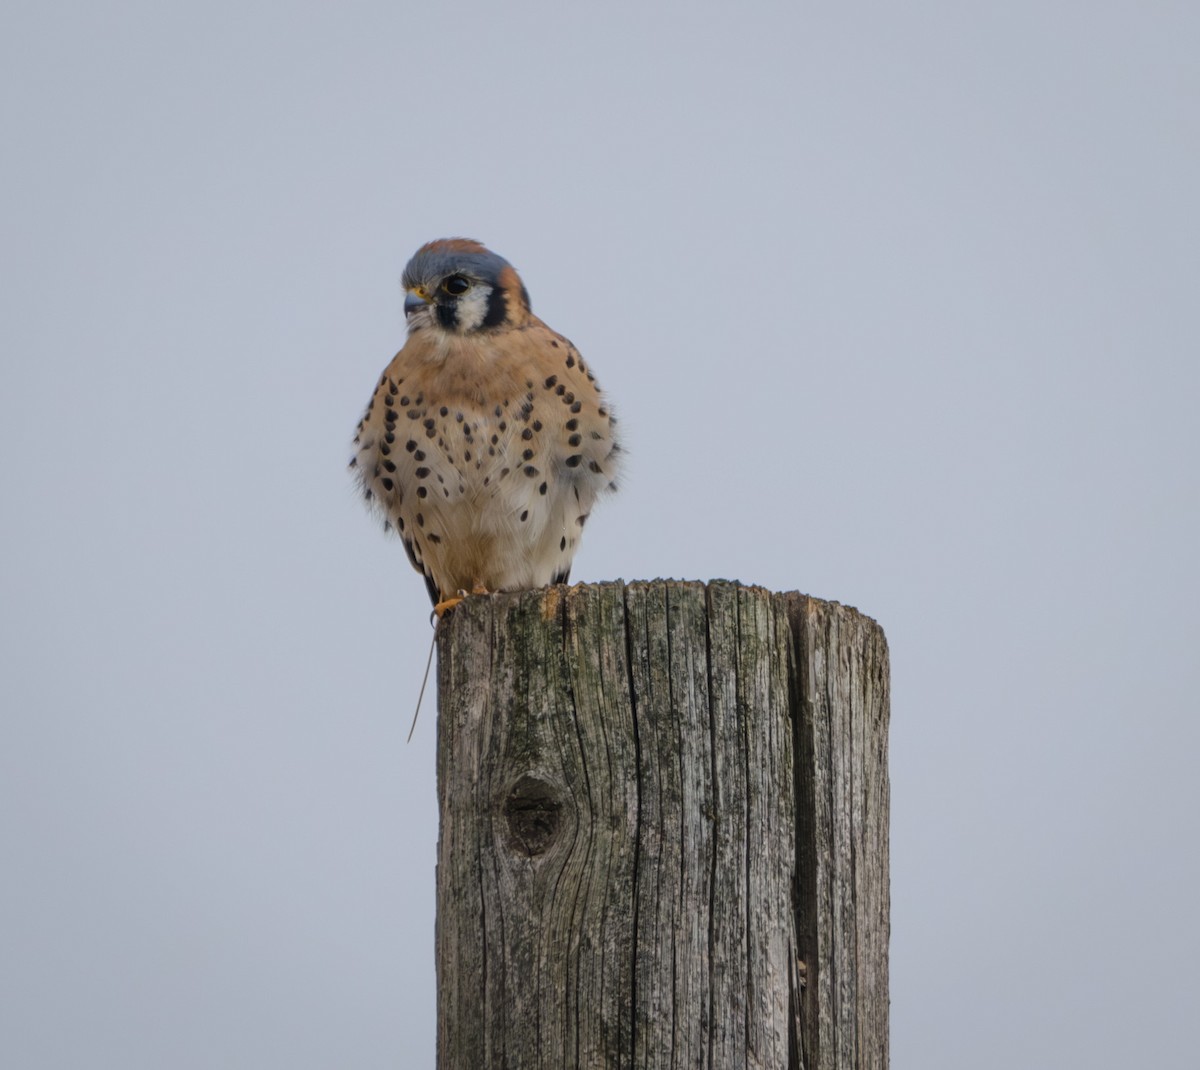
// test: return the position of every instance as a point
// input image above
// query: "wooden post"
(664, 831)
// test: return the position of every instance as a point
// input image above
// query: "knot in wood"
(533, 812)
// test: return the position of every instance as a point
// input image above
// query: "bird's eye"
(456, 284)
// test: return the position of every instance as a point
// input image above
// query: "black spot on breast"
(574, 460)
(571, 424)
(550, 381)
(420, 520)
(560, 390)
(435, 539)
(410, 445)
(387, 483)
(542, 489)
(596, 468)
(575, 439)
(527, 434)
(562, 543)
(389, 438)
(570, 361)
(405, 402)
(530, 471)
(525, 515)
(577, 407)
(421, 473)
(527, 455)
(444, 411)
(422, 492)
(384, 448)
(554, 343)
(581, 520)
(353, 462)
(392, 415)
(419, 455)
(390, 465)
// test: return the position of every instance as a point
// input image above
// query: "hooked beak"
(414, 300)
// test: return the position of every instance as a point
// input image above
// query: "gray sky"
(899, 304)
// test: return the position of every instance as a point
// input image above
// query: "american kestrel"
(487, 440)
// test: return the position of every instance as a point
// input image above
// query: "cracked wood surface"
(664, 819)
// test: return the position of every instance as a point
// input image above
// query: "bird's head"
(459, 286)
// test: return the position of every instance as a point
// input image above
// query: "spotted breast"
(488, 440)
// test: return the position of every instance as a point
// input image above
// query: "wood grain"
(663, 830)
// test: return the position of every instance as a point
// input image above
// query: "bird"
(487, 440)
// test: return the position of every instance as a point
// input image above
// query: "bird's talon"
(447, 604)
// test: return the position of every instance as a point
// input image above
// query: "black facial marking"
(497, 308)
(447, 314)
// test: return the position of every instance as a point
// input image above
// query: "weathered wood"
(664, 819)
